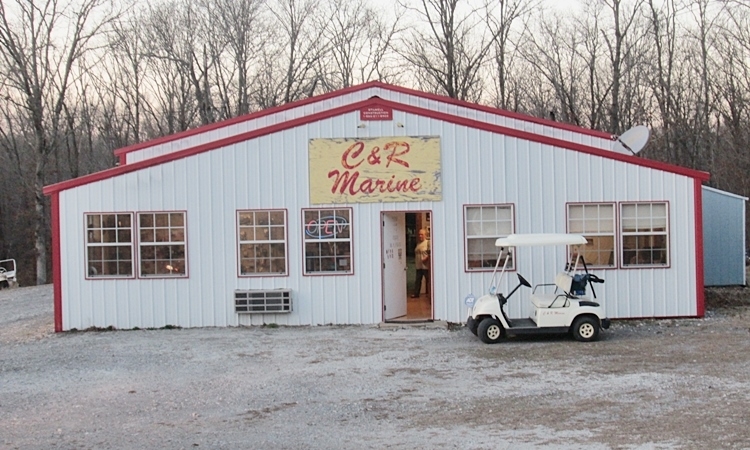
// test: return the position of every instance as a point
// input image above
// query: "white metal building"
(300, 215)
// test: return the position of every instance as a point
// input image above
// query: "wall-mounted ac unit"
(258, 301)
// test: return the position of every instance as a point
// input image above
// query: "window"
(483, 225)
(596, 222)
(162, 244)
(328, 241)
(645, 240)
(109, 245)
(262, 241)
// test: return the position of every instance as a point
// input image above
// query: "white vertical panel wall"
(271, 172)
(306, 109)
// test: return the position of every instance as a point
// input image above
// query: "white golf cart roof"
(527, 240)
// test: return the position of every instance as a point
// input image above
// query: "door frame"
(430, 219)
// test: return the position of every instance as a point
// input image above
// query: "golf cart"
(8, 273)
(566, 310)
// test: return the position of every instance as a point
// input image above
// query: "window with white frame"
(162, 244)
(109, 245)
(327, 238)
(262, 242)
(596, 222)
(644, 231)
(483, 224)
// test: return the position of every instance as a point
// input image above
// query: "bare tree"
(449, 47)
(40, 67)
(172, 32)
(236, 26)
(500, 21)
(289, 61)
(552, 50)
(359, 40)
(663, 31)
(620, 54)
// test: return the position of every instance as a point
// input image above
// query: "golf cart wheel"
(490, 331)
(472, 325)
(586, 329)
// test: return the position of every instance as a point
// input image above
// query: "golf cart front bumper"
(605, 323)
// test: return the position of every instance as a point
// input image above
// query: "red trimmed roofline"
(471, 123)
(244, 117)
(121, 152)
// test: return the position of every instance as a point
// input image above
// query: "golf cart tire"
(490, 331)
(586, 329)
(472, 324)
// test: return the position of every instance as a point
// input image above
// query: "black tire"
(490, 331)
(472, 325)
(4, 284)
(585, 329)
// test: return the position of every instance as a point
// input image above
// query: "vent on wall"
(259, 301)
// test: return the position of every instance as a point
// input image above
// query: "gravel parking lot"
(670, 384)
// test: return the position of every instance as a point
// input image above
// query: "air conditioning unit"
(258, 301)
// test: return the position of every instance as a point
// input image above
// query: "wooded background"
(81, 78)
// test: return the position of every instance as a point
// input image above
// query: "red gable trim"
(109, 173)
(56, 263)
(122, 152)
(499, 112)
(225, 123)
(699, 262)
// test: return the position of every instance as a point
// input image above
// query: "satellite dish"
(634, 139)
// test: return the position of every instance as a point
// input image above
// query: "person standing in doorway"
(422, 262)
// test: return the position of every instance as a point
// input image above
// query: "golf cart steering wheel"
(591, 277)
(2, 269)
(523, 281)
(594, 279)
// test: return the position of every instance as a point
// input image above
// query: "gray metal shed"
(723, 238)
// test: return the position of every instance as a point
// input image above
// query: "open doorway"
(407, 265)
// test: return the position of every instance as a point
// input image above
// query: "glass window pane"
(277, 218)
(147, 220)
(327, 235)
(161, 220)
(473, 214)
(108, 221)
(162, 235)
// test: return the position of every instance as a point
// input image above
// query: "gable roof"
(356, 106)
(381, 89)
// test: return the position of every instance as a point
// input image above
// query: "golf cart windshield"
(529, 240)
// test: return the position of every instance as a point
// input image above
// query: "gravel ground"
(669, 384)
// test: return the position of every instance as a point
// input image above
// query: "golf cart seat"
(563, 283)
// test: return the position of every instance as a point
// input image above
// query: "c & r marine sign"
(387, 169)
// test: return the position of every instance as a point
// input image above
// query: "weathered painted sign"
(386, 169)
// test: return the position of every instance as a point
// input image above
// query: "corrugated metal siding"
(723, 238)
(272, 172)
(346, 99)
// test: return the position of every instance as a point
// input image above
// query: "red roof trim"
(699, 262)
(499, 112)
(225, 123)
(372, 84)
(56, 263)
(120, 170)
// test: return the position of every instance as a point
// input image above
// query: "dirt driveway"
(672, 384)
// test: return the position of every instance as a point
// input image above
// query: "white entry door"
(394, 264)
